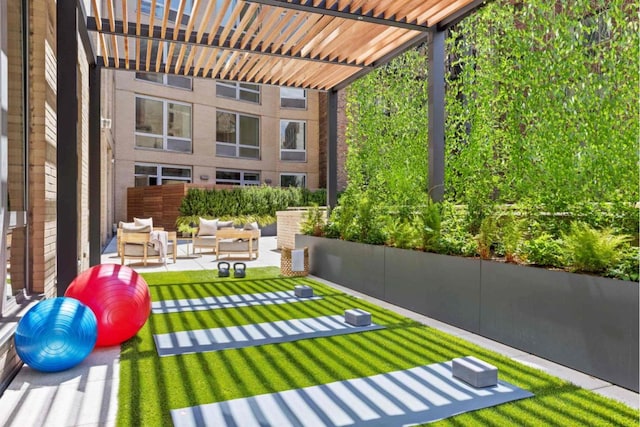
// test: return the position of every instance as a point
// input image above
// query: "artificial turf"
(151, 386)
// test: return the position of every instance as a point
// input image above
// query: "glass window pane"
(145, 170)
(184, 146)
(250, 86)
(250, 96)
(225, 91)
(292, 135)
(149, 142)
(249, 131)
(251, 176)
(179, 123)
(292, 180)
(225, 127)
(151, 77)
(251, 153)
(225, 150)
(179, 81)
(149, 116)
(228, 175)
(176, 172)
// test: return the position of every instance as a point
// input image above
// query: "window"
(240, 91)
(150, 174)
(163, 125)
(293, 141)
(145, 7)
(237, 177)
(164, 79)
(293, 180)
(237, 135)
(293, 98)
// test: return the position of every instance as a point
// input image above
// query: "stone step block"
(474, 371)
(303, 291)
(357, 317)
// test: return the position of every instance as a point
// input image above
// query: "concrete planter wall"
(585, 322)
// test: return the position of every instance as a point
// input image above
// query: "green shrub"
(543, 250)
(487, 236)
(510, 236)
(628, 267)
(429, 221)
(455, 238)
(314, 222)
(258, 203)
(401, 233)
(590, 250)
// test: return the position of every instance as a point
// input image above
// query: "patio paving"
(87, 394)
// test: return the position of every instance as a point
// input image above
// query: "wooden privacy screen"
(161, 202)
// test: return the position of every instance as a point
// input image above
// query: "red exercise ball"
(118, 296)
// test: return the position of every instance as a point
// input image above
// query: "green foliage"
(455, 237)
(401, 233)
(591, 250)
(544, 250)
(542, 104)
(314, 222)
(429, 224)
(510, 236)
(487, 236)
(243, 205)
(628, 267)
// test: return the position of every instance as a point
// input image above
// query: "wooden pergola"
(314, 44)
(311, 44)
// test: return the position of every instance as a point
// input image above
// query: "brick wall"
(42, 146)
(289, 222)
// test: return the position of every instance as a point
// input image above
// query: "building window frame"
(298, 176)
(289, 100)
(160, 177)
(166, 138)
(289, 146)
(169, 80)
(243, 179)
(236, 149)
(241, 91)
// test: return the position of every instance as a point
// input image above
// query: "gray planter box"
(439, 286)
(355, 265)
(585, 322)
(588, 323)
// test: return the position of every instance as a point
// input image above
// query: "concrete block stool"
(357, 317)
(303, 291)
(474, 371)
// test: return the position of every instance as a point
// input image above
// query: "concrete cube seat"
(303, 291)
(474, 371)
(357, 317)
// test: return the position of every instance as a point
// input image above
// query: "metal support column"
(436, 88)
(332, 149)
(67, 144)
(95, 175)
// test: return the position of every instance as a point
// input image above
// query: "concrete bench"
(474, 371)
(357, 317)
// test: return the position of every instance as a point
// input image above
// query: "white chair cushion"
(144, 221)
(207, 227)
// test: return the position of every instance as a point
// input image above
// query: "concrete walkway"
(87, 395)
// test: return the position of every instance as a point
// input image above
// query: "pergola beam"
(344, 13)
(155, 33)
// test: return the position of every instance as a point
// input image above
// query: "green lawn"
(151, 386)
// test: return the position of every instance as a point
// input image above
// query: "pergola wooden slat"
(303, 43)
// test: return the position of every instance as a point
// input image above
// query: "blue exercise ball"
(56, 334)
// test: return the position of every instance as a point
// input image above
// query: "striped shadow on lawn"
(152, 386)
